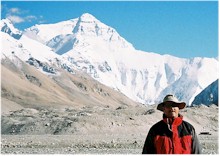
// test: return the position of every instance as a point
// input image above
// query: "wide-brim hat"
(171, 98)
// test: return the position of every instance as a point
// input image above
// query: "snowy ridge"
(34, 53)
(7, 27)
(88, 45)
(46, 32)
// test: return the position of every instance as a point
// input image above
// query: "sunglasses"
(170, 104)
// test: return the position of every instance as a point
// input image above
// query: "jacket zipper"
(171, 139)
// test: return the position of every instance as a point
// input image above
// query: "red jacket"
(180, 138)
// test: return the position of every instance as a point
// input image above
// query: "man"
(172, 135)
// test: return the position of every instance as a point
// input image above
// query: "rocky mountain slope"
(25, 86)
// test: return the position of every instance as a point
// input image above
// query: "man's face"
(171, 110)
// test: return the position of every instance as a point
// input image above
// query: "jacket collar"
(175, 122)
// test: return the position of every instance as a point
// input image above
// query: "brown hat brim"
(181, 105)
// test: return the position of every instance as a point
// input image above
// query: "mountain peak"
(86, 17)
(89, 25)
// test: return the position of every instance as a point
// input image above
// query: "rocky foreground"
(86, 144)
(95, 130)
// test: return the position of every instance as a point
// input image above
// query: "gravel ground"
(95, 130)
(83, 144)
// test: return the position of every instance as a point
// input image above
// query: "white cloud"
(15, 19)
(30, 18)
(13, 15)
(14, 11)
(17, 15)
(41, 20)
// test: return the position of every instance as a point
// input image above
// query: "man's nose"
(173, 108)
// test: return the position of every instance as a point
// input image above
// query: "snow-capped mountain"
(31, 51)
(88, 45)
(68, 34)
(7, 27)
(208, 96)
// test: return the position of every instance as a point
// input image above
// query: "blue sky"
(184, 29)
